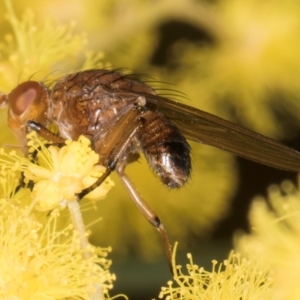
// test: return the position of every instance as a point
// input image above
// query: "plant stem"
(78, 224)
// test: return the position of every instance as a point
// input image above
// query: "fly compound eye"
(27, 102)
(22, 96)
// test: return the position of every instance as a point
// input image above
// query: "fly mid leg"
(118, 142)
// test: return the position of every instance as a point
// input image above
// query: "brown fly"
(123, 116)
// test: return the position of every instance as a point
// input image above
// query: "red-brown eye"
(22, 96)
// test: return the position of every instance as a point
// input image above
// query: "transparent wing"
(208, 129)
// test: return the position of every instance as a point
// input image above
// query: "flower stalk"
(79, 226)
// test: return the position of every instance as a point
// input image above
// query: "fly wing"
(208, 129)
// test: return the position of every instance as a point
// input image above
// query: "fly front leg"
(146, 210)
(45, 133)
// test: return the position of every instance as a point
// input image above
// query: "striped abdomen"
(165, 149)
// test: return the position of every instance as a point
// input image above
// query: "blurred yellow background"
(238, 59)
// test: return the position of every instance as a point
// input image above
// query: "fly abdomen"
(165, 149)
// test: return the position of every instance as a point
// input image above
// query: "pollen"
(40, 261)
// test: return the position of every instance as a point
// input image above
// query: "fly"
(123, 116)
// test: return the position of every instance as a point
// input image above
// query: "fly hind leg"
(146, 210)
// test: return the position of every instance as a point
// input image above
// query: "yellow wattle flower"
(40, 261)
(59, 173)
(274, 238)
(62, 173)
(234, 279)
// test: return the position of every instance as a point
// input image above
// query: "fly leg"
(119, 143)
(146, 210)
(48, 135)
(45, 133)
(131, 124)
(116, 148)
